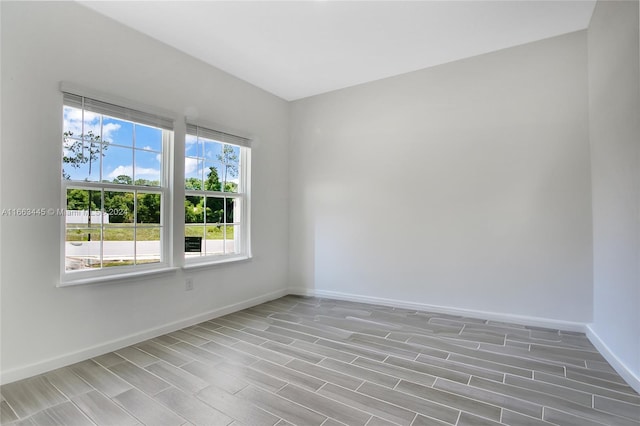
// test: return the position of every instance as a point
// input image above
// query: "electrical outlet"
(188, 284)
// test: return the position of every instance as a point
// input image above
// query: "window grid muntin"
(135, 226)
(162, 190)
(238, 243)
(203, 162)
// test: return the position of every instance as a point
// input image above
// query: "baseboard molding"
(494, 316)
(625, 372)
(81, 355)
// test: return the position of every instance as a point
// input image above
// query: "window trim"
(72, 92)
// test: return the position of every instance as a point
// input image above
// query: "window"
(115, 188)
(216, 195)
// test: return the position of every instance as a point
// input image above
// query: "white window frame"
(206, 131)
(130, 111)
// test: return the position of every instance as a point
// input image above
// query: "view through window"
(113, 178)
(215, 193)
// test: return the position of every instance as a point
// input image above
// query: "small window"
(115, 188)
(216, 195)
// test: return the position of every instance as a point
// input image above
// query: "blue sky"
(125, 139)
(203, 153)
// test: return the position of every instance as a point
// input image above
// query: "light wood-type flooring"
(312, 361)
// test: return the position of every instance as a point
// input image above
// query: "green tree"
(193, 213)
(229, 160)
(77, 199)
(215, 210)
(213, 180)
(230, 187)
(148, 208)
(193, 184)
(119, 205)
(123, 179)
(86, 149)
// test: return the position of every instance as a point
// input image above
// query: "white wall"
(44, 326)
(614, 118)
(465, 185)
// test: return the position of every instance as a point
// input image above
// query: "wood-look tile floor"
(311, 361)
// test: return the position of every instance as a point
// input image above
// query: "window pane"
(91, 125)
(192, 146)
(148, 206)
(83, 222)
(194, 209)
(232, 212)
(117, 165)
(212, 150)
(148, 138)
(193, 173)
(215, 240)
(118, 245)
(71, 121)
(194, 240)
(215, 210)
(147, 171)
(212, 180)
(230, 168)
(116, 131)
(81, 159)
(82, 247)
(75, 123)
(118, 207)
(148, 246)
(232, 241)
(81, 212)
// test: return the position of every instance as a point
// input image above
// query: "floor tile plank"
(139, 378)
(325, 406)
(67, 382)
(238, 408)
(101, 410)
(287, 410)
(29, 396)
(177, 377)
(382, 409)
(65, 414)
(191, 408)
(413, 403)
(148, 411)
(136, 356)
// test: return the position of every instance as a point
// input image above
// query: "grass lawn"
(124, 232)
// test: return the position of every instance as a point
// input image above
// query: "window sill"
(119, 277)
(215, 262)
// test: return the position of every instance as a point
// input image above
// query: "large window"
(216, 195)
(115, 188)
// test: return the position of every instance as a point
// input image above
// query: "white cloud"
(72, 118)
(141, 172)
(190, 165)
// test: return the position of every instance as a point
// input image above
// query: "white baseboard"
(494, 316)
(61, 361)
(625, 372)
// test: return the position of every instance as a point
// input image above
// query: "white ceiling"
(297, 49)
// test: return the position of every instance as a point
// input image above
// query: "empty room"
(320, 213)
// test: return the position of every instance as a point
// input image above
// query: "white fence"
(82, 216)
